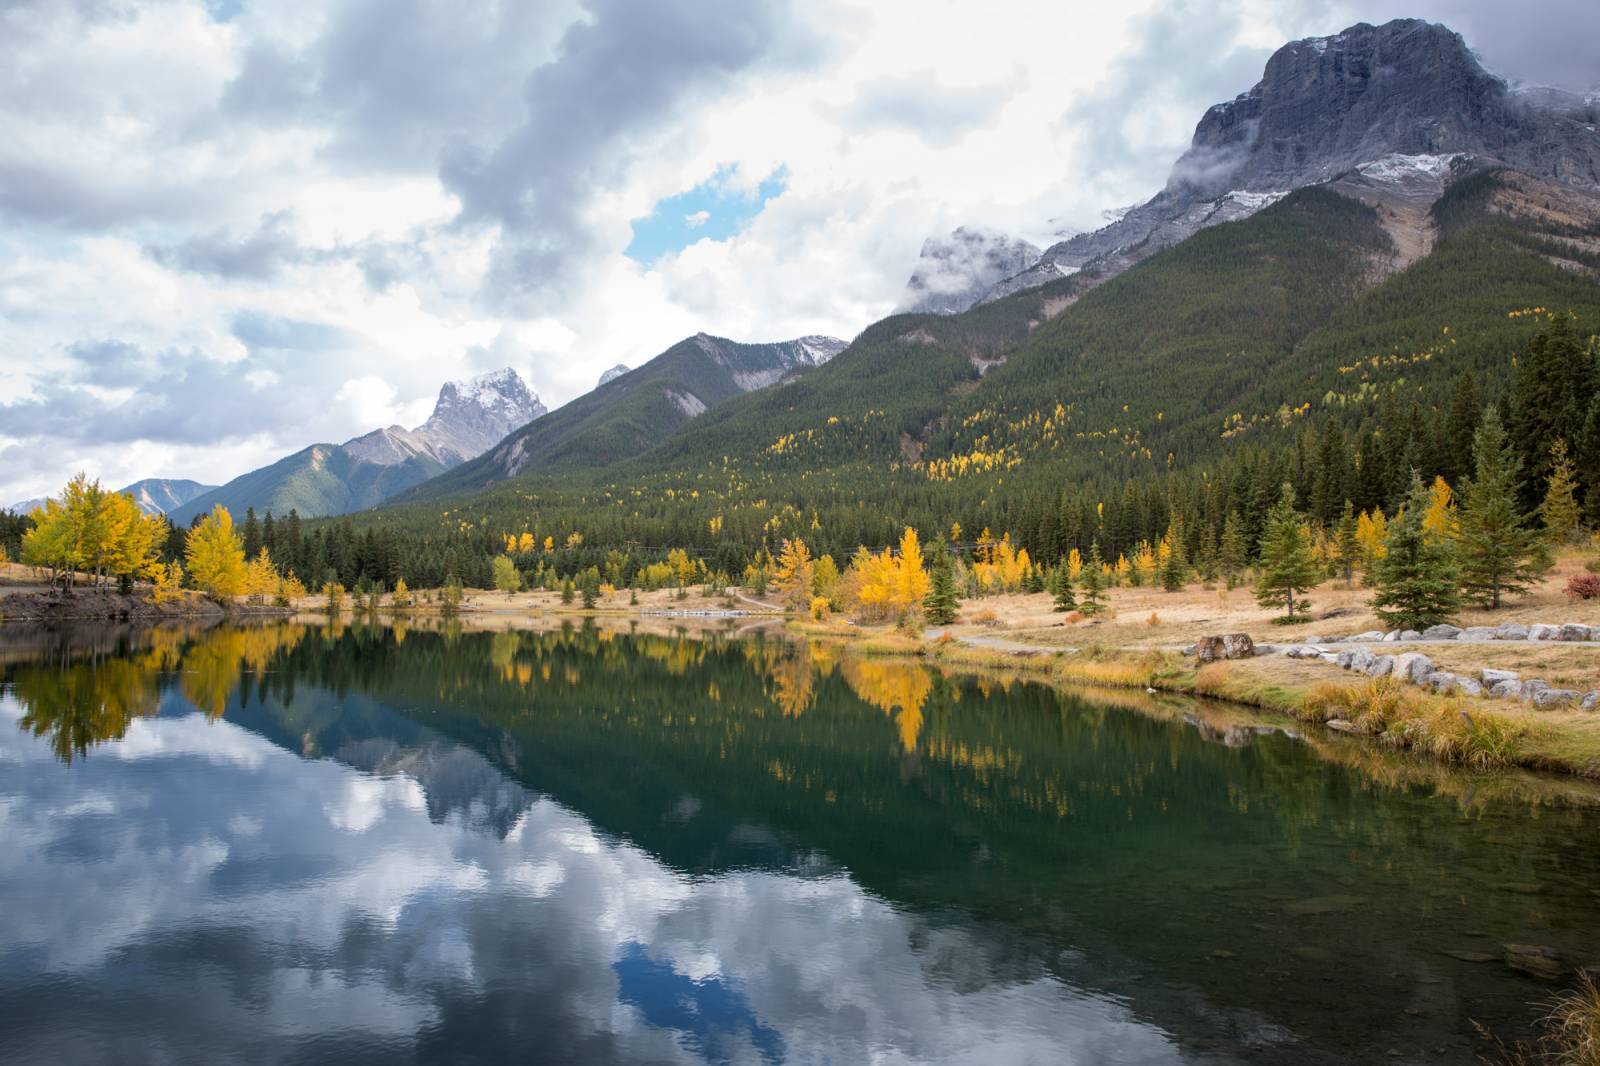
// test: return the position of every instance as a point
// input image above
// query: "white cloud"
(698, 219)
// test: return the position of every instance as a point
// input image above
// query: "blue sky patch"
(711, 210)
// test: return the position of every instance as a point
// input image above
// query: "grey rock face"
(1412, 666)
(1441, 632)
(1228, 646)
(613, 374)
(1403, 104)
(470, 417)
(955, 272)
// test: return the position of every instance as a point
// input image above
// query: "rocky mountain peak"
(1387, 113)
(472, 416)
(613, 374)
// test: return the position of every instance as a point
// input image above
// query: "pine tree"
(1094, 580)
(942, 602)
(1497, 550)
(1559, 510)
(1416, 580)
(1061, 590)
(568, 592)
(1347, 544)
(1588, 456)
(1287, 565)
(1231, 551)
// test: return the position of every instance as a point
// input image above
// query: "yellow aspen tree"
(795, 574)
(261, 578)
(1075, 564)
(1439, 520)
(215, 555)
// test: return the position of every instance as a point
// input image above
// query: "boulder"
(1371, 636)
(1381, 666)
(1536, 961)
(1339, 725)
(1532, 687)
(1328, 656)
(1347, 659)
(1573, 631)
(1413, 666)
(1226, 646)
(1446, 683)
(1555, 697)
(1266, 649)
(1511, 631)
(1506, 690)
(1539, 631)
(1392, 636)
(1492, 676)
(1590, 702)
(1410, 634)
(1477, 633)
(1441, 632)
(1311, 640)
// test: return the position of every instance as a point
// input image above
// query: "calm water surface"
(293, 844)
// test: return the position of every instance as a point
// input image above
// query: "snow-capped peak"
(817, 349)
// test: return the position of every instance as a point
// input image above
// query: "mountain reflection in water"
(315, 843)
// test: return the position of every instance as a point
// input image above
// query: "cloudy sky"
(230, 228)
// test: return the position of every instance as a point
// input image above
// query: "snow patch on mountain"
(1397, 167)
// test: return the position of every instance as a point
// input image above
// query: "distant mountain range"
(154, 495)
(631, 412)
(330, 479)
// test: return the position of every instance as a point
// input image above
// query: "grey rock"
(1410, 634)
(1511, 631)
(1441, 632)
(1477, 633)
(1532, 687)
(1347, 659)
(1443, 681)
(1360, 659)
(1371, 636)
(1492, 676)
(1392, 636)
(1540, 631)
(1506, 690)
(1381, 666)
(1590, 701)
(1266, 649)
(1312, 640)
(1413, 666)
(1340, 725)
(1328, 656)
(1226, 646)
(1555, 697)
(1573, 631)
(1466, 686)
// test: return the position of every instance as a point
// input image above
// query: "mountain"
(1375, 104)
(154, 495)
(329, 479)
(633, 412)
(613, 374)
(1263, 335)
(957, 271)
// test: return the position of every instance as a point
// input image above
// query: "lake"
(293, 843)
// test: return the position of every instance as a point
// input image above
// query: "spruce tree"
(1175, 569)
(1064, 599)
(1287, 565)
(1416, 581)
(1559, 510)
(1094, 580)
(1231, 551)
(1498, 551)
(1588, 455)
(1347, 544)
(942, 602)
